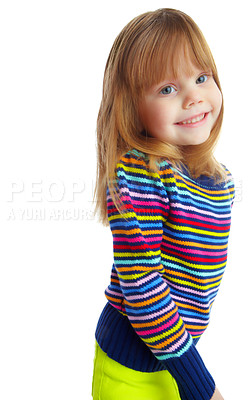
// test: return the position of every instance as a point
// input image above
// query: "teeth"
(192, 121)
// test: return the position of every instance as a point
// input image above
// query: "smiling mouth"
(193, 120)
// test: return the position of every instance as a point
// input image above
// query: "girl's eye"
(202, 78)
(167, 90)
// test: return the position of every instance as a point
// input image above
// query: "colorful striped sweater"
(170, 253)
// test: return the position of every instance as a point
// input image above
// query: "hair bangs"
(168, 53)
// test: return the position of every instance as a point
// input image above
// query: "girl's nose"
(192, 98)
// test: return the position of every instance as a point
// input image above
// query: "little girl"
(168, 202)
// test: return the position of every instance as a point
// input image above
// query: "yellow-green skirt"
(113, 381)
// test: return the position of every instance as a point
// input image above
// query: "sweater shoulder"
(228, 173)
(134, 157)
(133, 169)
(139, 159)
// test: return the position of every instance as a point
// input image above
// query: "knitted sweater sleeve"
(145, 295)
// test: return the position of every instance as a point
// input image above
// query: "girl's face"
(182, 111)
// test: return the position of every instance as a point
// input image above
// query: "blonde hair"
(146, 50)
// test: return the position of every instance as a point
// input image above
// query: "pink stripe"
(145, 196)
(142, 196)
(143, 203)
(117, 307)
(196, 320)
(215, 221)
(197, 332)
(148, 294)
(114, 293)
(138, 239)
(160, 328)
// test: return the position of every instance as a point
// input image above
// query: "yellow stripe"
(202, 231)
(218, 198)
(170, 340)
(142, 254)
(138, 217)
(193, 285)
(164, 335)
(138, 170)
(132, 276)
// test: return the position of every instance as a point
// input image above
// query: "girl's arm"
(144, 294)
(217, 395)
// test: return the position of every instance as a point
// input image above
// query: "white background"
(56, 258)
